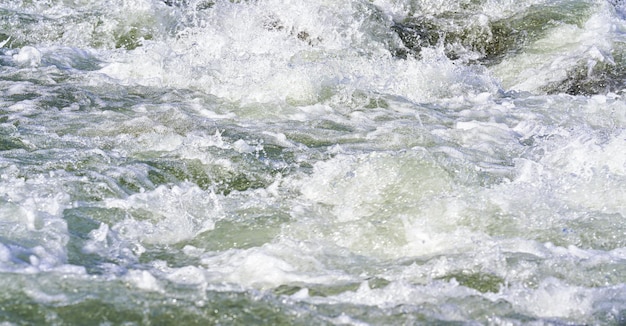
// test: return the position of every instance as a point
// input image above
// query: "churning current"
(323, 162)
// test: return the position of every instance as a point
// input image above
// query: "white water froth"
(550, 59)
(166, 215)
(445, 174)
(28, 56)
(274, 59)
(31, 215)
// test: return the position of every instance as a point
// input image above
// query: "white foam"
(98, 238)
(143, 280)
(398, 293)
(271, 265)
(3, 43)
(28, 56)
(287, 55)
(355, 186)
(189, 275)
(31, 217)
(436, 173)
(242, 147)
(553, 299)
(549, 59)
(19, 88)
(5, 253)
(40, 296)
(167, 215)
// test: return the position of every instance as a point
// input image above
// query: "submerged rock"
(476, 37)
(602, 78)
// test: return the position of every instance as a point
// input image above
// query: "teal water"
(325, 162)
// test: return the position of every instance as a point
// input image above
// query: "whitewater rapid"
(358, 162)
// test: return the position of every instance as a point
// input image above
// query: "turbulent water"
(326, 162)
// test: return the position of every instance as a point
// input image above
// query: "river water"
(357, 162)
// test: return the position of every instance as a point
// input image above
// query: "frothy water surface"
(356, 162)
